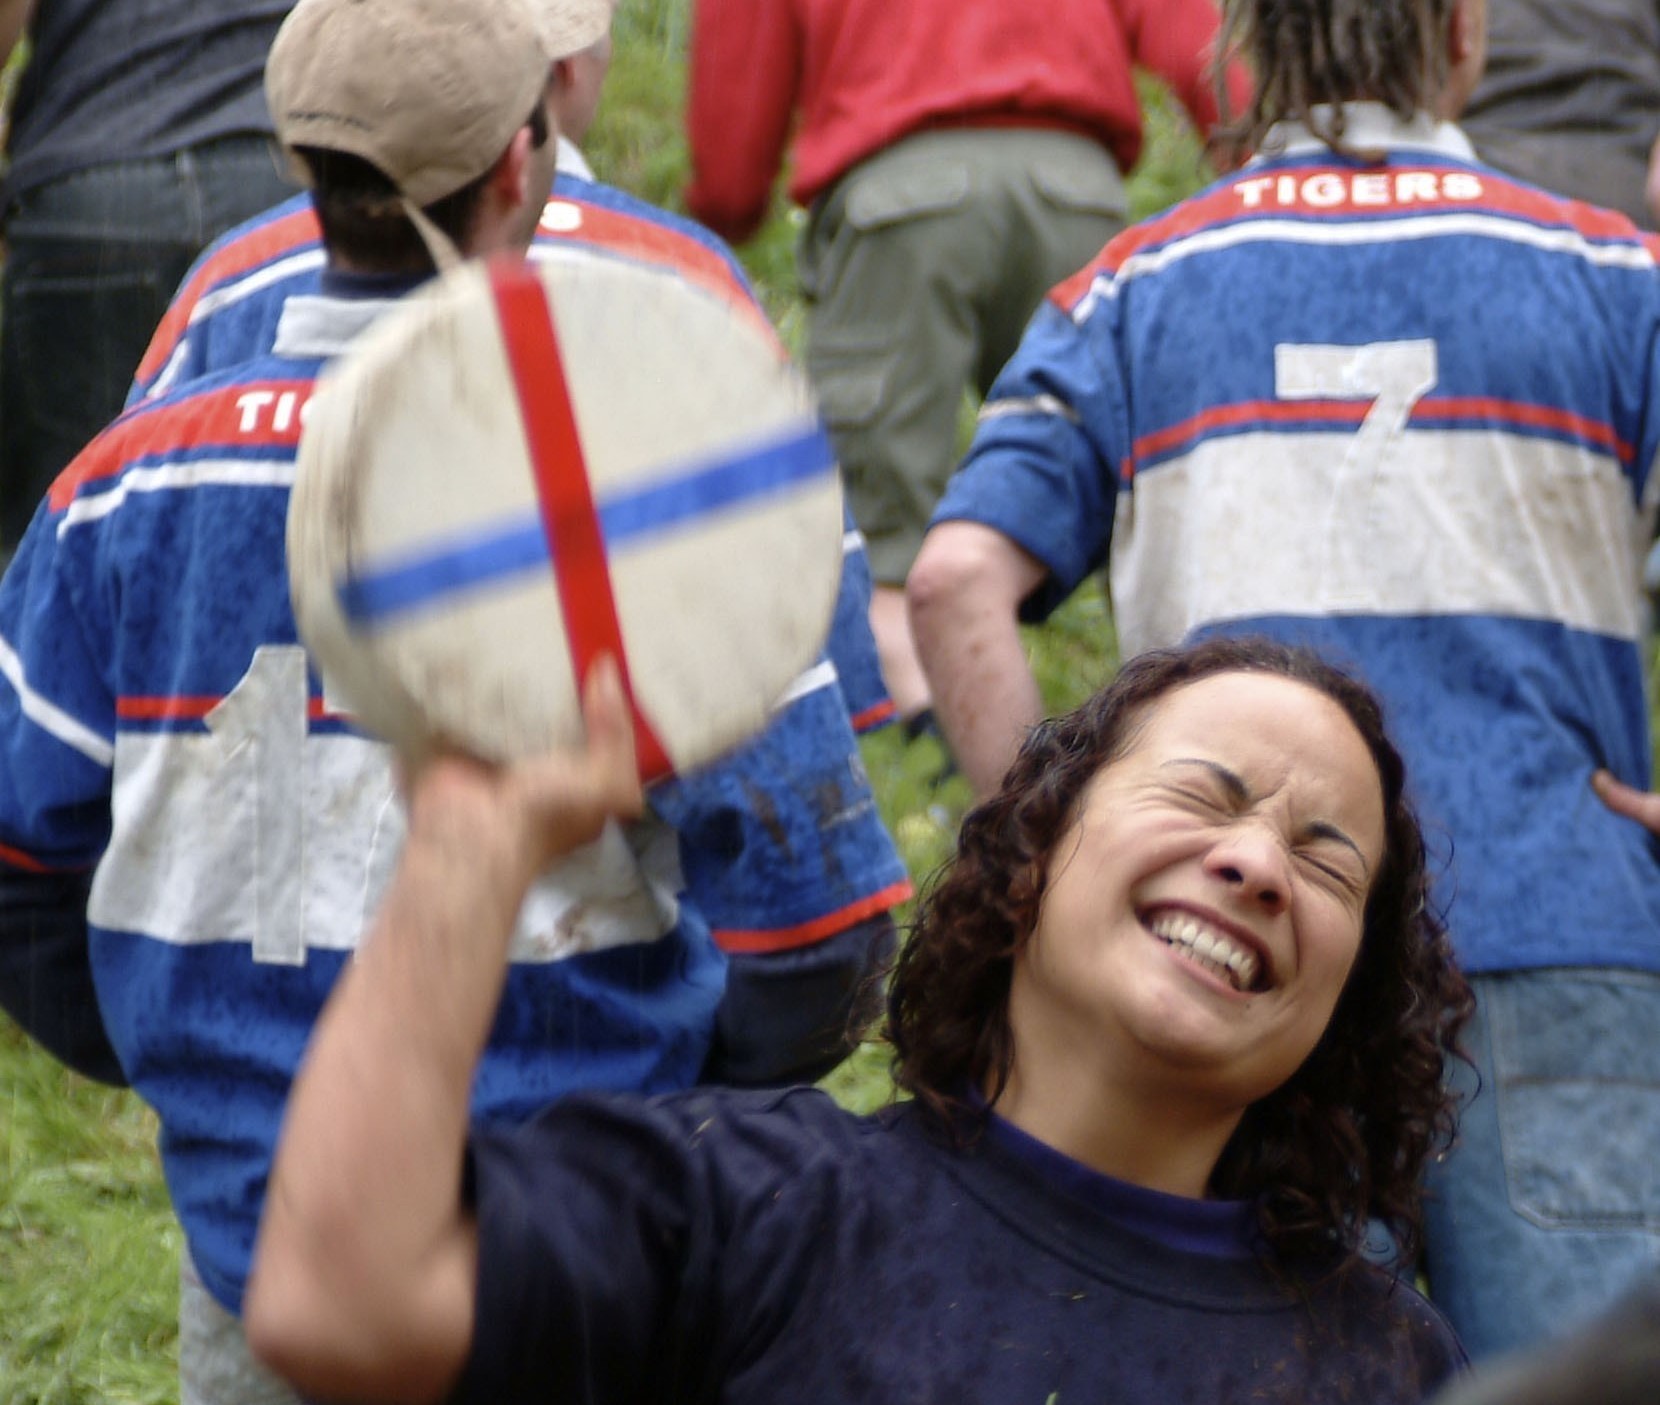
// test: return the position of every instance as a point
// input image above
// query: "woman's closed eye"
(1209, 800)
(1333, 865)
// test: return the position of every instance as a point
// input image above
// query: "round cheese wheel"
(521, 469)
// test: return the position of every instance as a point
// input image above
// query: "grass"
(88, 1248)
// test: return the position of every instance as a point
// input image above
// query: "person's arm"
(14, 19)
(363, 1281)
(46, 969)
(57, 750)
(785, 855)
(740, 93)
(1178, 40)
(965, 592)
(1640, 805)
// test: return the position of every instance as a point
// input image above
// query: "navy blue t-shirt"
(761, 1248)
(118, 80)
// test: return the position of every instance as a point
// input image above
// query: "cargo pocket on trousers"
(1098, 192)
(905, 191)
(1577, 1069)
(849, 387)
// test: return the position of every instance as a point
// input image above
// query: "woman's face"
(1204, 909)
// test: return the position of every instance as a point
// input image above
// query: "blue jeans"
(1548, 1210)
(92, 261)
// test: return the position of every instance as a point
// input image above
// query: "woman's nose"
(1253, 859)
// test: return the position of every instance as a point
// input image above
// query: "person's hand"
(534, 812)
(1640, 805)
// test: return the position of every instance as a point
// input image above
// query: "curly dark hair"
(1345, 1138)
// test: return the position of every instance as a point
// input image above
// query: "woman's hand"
(534, 812)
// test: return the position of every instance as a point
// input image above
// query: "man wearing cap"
(836, 877)
(227, 308)
(174, 785)
(804, 908)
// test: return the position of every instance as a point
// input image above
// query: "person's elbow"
(965, 571)
(332, 1335)
(284, 1321)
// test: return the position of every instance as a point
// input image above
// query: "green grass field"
(88, 1249)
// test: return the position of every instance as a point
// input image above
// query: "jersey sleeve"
(56, 752)
(785, 854)
(851, 646)
(1044, 465)
(781, 841)
(57, 709)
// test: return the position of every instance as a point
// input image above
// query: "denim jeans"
(92, 261)
(1548, 1210)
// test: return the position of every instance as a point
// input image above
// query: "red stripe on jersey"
(771, 939)
(874, 715)
(194, 709)
(570, 518)
(316, 711)
(648, 242)
(1251, 412)
(258, 246)
(1201, 212)
(251, 414)
(1482, 409)
(1069, 292)
(183, 709)
(16, 858)
(1350, 193)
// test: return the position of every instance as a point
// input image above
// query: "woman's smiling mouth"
(1208, 947)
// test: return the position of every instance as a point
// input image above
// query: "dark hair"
(1345, 1137)
(1322, 53)
(363, 222)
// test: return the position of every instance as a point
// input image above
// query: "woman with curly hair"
(1342, 1140)
(1174, 1023)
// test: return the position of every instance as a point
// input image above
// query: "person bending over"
(1173, 1022)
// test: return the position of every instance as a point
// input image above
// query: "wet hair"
(1308, 54)
(363, 220)
(1345, 1138)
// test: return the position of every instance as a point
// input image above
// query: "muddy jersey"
(1403, 410)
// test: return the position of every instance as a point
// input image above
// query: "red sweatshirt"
(866, 72)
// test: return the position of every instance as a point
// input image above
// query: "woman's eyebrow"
(1324, 829)
(1240, 793)
(1231, 781)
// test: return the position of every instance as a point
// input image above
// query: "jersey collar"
(1370, 127)
(572, 162)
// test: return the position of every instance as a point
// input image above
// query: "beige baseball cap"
(428, 91)
(569, 26)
